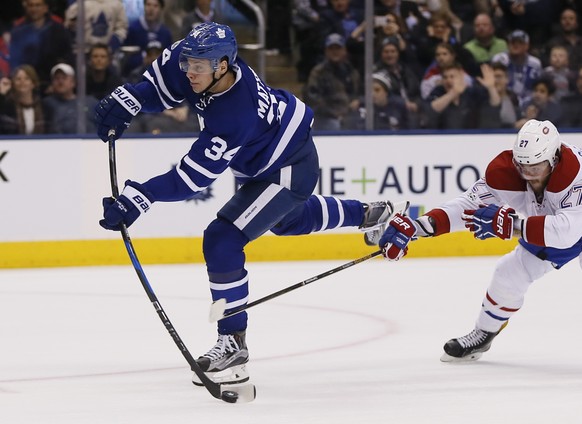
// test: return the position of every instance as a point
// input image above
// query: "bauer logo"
(141, 203)
(2, 174)
(127, 100)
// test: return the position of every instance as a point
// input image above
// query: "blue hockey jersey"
(251, 128)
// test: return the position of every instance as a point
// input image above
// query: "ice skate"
(376, 214)
(469, 347)
(226, 362)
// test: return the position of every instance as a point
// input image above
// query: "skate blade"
(230, 376)
(469, 358)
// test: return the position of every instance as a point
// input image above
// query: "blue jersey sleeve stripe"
(324, 212)
(162, 83)
(199, 168)
(288, 134)
(151, 79)
(191, 185)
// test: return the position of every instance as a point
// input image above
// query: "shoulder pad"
(501, 174)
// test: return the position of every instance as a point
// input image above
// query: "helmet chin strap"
(213, 83)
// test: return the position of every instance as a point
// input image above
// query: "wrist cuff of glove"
(127, 97)
(137, 198)
(424, 226)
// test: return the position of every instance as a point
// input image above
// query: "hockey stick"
(219, 306)
(234, 393)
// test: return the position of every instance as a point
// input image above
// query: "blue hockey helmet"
(211, 41)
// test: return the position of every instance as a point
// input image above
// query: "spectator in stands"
(509, 111)
(305, 19)
(456, 105)
(568, 36)
(390, 111)
(153, 50)
(11, 10)
(485, 44)
(445, 55)
(20, 106)
(409, 11)
(541, 106)
(572, 106)
(559, 72)
(147, 28)
(440, 30)
(134, 9)
(534, 17)
(341, 18)
(204, 11)
(61, 106)
(403, 80)
(523, 68)
(39, 39)
(333, 86)
(102, 77)
(105, 22)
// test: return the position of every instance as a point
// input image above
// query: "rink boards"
(52, 191)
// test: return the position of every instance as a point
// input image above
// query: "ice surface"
(84, 345)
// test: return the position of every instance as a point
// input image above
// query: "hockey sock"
(493, 315)
(223, 251)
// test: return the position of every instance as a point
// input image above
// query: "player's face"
(534, 172)
(199, 74)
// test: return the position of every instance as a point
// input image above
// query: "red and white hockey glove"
(394, 241)
(490, 221)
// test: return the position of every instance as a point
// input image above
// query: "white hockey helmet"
(536, 142)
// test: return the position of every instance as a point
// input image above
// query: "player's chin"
(195, 88)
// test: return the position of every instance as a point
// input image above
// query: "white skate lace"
(225, 344)
(474, 338)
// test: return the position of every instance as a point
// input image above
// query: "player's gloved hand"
(490, 221)
(131, 203)
(116, 111)
(394, 241)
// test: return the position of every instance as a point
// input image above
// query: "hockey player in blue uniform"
(264, 136)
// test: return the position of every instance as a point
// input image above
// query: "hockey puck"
(229, 396)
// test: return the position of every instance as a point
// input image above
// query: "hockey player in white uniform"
(263, 135)
(533, 192)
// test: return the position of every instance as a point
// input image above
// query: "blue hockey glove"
(490, 221)
(116, 111)
(394, 241)
(131, 203)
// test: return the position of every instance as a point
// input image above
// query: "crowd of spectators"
(438, 64)
(453, 64)
(38, 54)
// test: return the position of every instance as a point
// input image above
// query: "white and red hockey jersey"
(552, 228)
